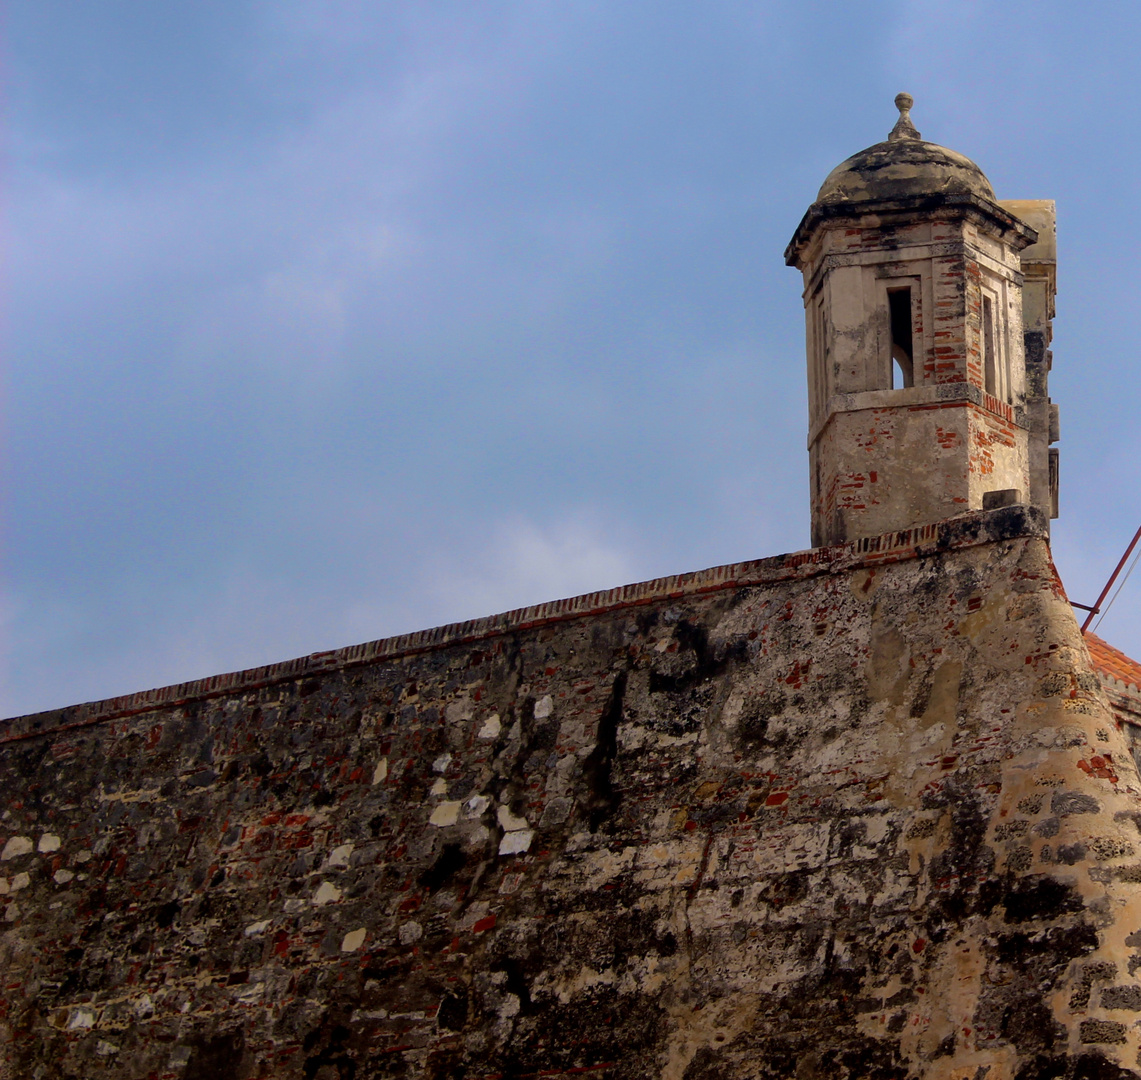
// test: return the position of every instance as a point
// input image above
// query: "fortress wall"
(858, 812)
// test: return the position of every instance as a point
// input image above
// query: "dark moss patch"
(1040, 897)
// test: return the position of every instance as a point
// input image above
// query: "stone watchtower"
(927, 308)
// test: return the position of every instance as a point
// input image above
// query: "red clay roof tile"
(1113, 662)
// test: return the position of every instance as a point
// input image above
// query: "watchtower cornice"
(906, 210)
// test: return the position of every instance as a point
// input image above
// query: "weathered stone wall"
(1132, 733)
(854, 813)
(1125, 701)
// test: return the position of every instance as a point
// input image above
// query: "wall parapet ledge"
(965, 531)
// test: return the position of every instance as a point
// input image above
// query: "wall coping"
(965, 531)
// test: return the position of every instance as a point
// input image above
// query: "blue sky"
(329, 321)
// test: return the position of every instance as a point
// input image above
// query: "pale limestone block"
(327, 893)
(544, 707)
(256, 929)
(20, 881)
(447, 813)
(16, 846)
(353, 940)
(381, 771)
(508, 821)
(492, 726)
(48, 843)
(62, 877)
(516, 843)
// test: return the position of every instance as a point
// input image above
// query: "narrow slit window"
(990, 351)
(899, 310)
(822, 364)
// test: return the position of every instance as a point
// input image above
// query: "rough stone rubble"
(862, 812)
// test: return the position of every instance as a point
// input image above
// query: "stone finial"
(904, 128)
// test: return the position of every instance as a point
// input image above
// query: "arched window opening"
(899, 376)
(899, 311)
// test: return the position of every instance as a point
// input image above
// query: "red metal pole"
(1112, 579)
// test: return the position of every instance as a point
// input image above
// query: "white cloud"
(523, 562)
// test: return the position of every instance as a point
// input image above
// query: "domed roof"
(903, 166)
